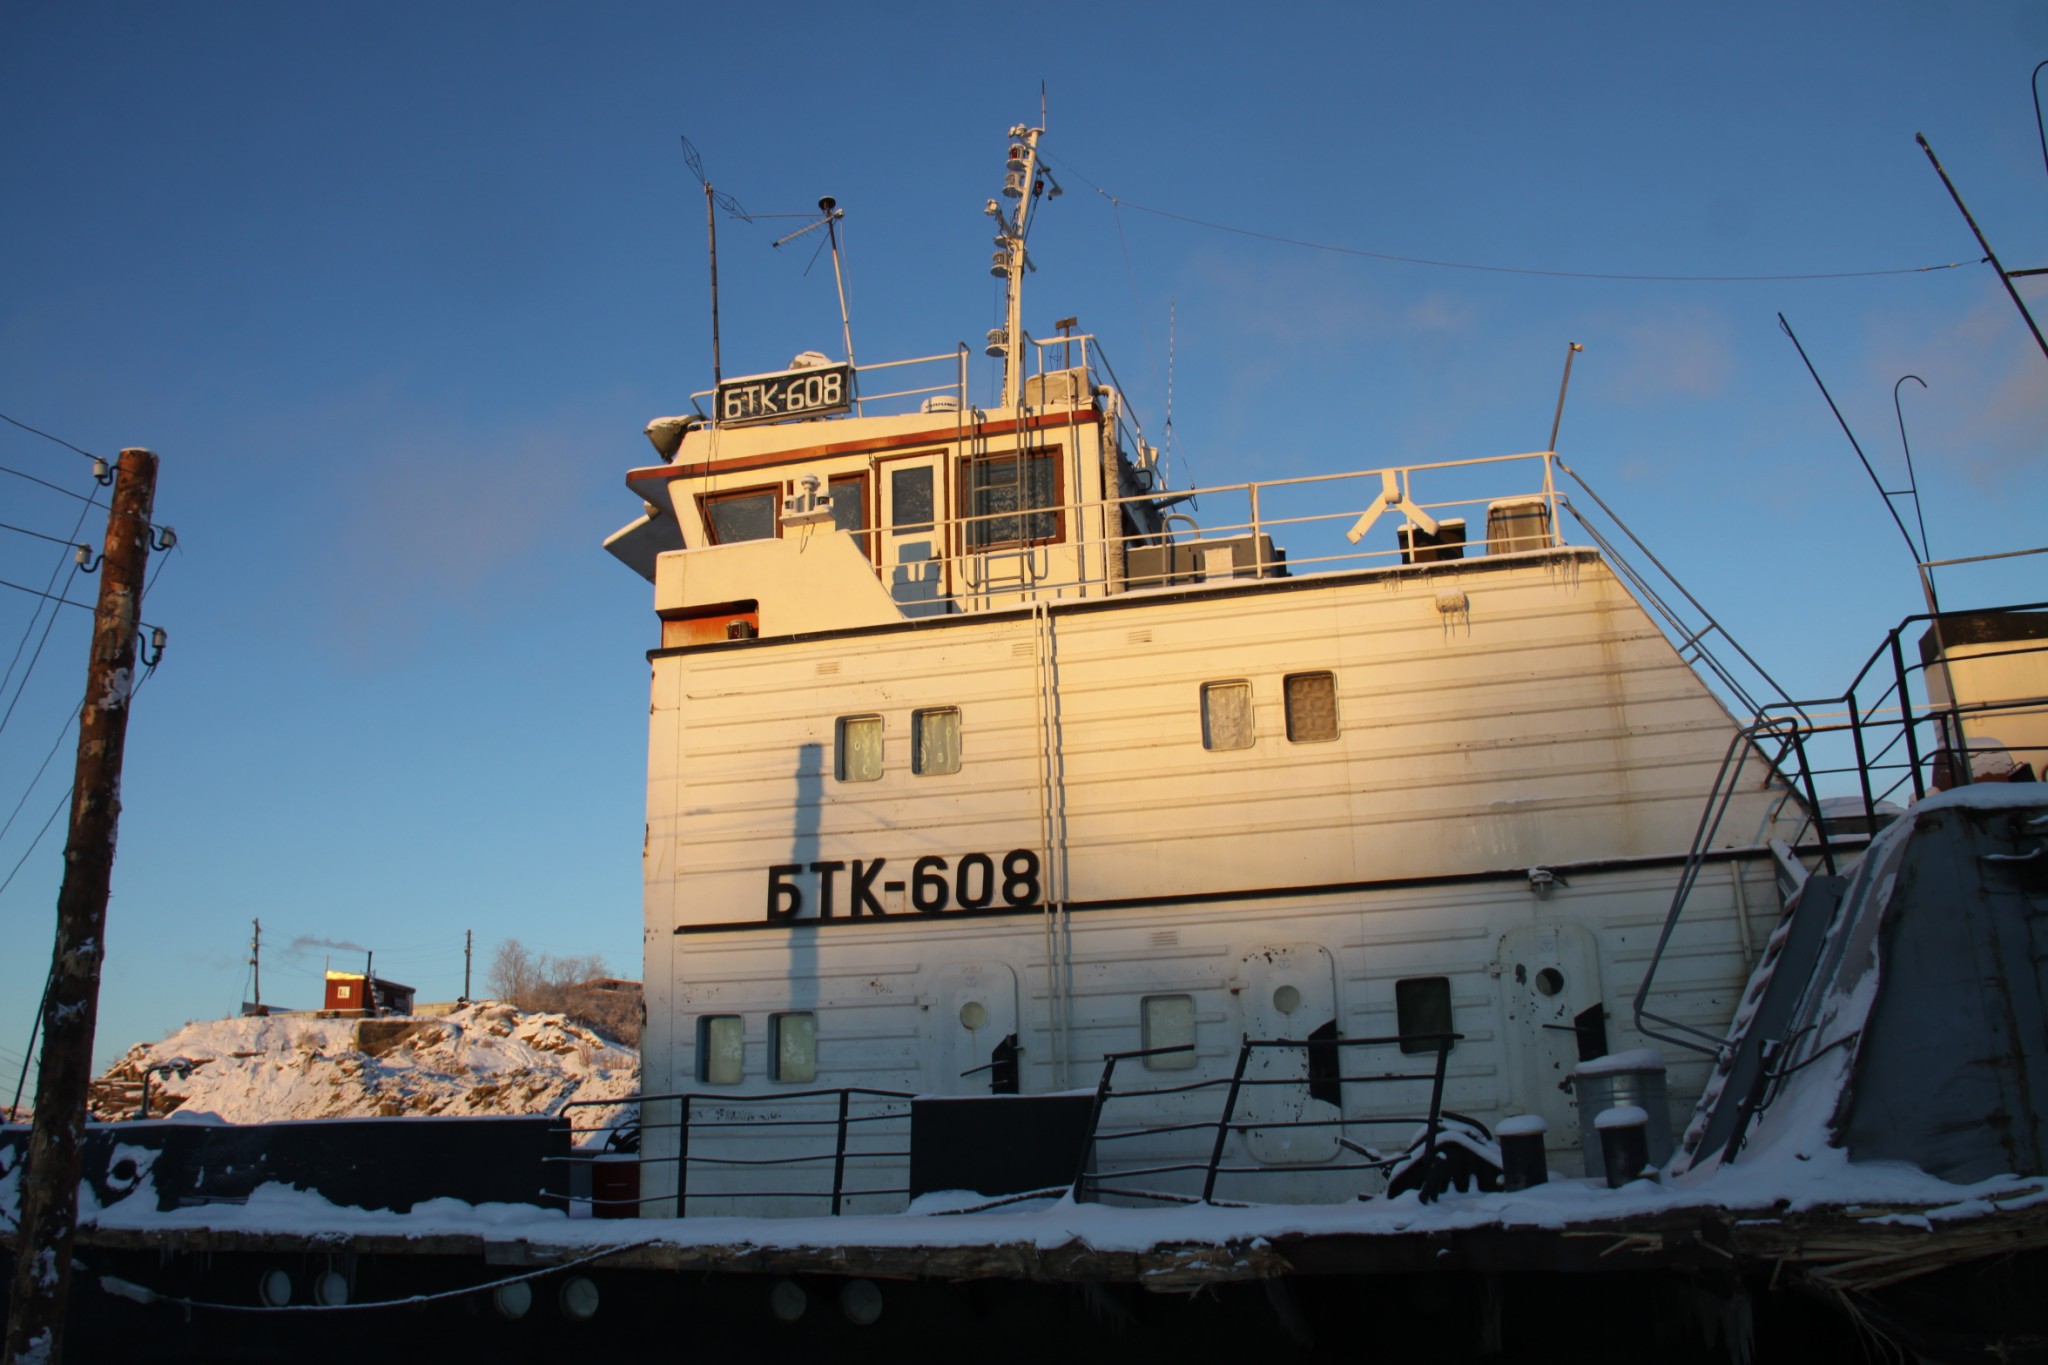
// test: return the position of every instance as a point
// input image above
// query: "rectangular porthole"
(1422, 1004)
(935, 741)
(1169, 1021)
(721, 1049)
(857, 748)
(1227, 715)
(1311, 707)
(794, 1038)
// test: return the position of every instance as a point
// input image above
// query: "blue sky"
(392, 288)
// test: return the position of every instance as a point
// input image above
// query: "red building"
(354, 993)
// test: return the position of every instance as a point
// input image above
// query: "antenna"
(1024, 181)
(1564, 384)
(830, 222)
(731, 206)
(1172, 326)
(256, 963)
(1926, 583)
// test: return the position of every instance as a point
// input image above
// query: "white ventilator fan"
(1391, 495)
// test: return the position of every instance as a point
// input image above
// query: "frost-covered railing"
(1321, 1054)
(809, 1132)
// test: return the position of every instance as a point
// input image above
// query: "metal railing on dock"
(1088, 1179)
(864, 1126)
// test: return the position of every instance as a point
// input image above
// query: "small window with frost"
(1422, 1004)
(935, 741)
(910, 499)
(1311, 707)
(795, 1042)
(1227, 715)
(721, 1049)
(749, 515)
(850, 506)
(1169, 1021)
(343, 992)
(859, 749)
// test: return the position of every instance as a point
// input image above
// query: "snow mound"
(485, 1058)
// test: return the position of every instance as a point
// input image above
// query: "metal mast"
(1022, 184)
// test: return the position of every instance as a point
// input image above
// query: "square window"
(1227, 715)
(859, 748)
(997, 491)
(343, 992)
(721, 1049)
(935, 741)
(1311, 707)
(910, 499)
(1169, 1021)
(1422, 1004)
(742, 516)
(795, 1040)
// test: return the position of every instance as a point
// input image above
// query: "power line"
(61, 601)
(85, 498)
(46, 436)
(23, 530)
(33, 782)
(1507, 269)
(76, 527)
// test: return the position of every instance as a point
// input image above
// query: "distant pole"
(256, 964)
(468, 942)
(369, 985)
(49, 1207)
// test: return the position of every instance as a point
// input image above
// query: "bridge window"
(749, 514)
(721, 1049)
(1169, 1021)
(1227, 715)
(910, 499)
(1001, 500)
(935, 741)
(1311, 707)
(859, 749)
(850, 507)
(795, 1046)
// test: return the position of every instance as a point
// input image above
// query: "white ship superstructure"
(976, 753)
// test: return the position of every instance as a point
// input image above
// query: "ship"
(1355, 909)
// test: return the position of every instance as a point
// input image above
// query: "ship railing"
(1900, 730)
(1094, 1171)
(847, 1129)
(1065, 539)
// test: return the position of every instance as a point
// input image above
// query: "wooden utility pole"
(49, 1207)
(468, 942)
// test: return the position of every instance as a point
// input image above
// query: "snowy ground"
(485, 1058)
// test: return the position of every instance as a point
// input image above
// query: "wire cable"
(46, 436)
(23, 530)
(1510, 269)
(30, 627)
(35, 781)
(143, 1294)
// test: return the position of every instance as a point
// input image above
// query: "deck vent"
(1166, 938)
(1139, 637)
(828, 667)
(1023, 649)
